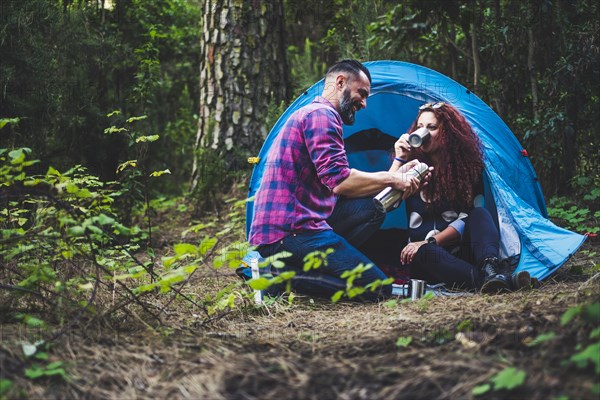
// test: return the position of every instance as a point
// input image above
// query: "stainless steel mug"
(417, 289)
(418, 137)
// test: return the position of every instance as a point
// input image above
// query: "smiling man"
(310, 199)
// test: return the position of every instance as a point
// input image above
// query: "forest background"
(115, 114)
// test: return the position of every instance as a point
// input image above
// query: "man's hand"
(407, 183)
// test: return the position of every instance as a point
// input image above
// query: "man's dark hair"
(352, 66)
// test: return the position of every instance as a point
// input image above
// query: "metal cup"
(417, 289)
(419, 136)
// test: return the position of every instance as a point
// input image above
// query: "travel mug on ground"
(417, 289)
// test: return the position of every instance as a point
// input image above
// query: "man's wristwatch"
(431, 239)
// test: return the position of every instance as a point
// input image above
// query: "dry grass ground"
(312, 349)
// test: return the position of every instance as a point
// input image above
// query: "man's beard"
(347, 108)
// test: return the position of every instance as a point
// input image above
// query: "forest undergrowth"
(528, 344)
(94, 309)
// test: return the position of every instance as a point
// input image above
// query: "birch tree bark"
(242, 71)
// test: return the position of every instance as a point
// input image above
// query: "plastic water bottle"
(255, 275)
(389, 197)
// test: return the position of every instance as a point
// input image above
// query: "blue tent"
(513, 193)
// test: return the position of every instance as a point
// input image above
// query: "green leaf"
(185, 248)
(595, 333)
(337, 296)
(5, 385)
(159, 173)
(128, 163)
(72, 188)
(52, 171)
(6, 121)
(592, 312)
(207, 244)
(151, 138)
(541, 338)
(76, 231)
(170, 279)
(121, 229)
(104, 219)
(404, 341)
(114, 129)
(570, 314)
(54, 365)
(34, 372)
(190, 268)
(133, 119)
(261, 283)
(18, 156)
(591, 354)
(94, 229)
(509, 378)
(146, 288)
(481, 389)
(34, 322)
(391, 303)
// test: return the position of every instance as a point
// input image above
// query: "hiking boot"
(493, 281)
(520, 280)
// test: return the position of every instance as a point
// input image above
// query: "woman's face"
(428, 120)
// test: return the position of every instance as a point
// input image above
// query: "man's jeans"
(354, 219)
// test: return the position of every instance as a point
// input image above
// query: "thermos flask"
(389, 198)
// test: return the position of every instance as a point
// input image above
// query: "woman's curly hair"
(460, 159)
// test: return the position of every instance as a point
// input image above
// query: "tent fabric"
(513, 193)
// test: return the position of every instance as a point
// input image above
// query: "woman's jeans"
(436, 264)
(353, 222)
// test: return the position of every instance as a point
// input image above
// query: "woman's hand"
(401, 147)
(408, 252)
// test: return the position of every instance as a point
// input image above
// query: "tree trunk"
(243, 70)
(573, 107)
(475, 51)
(531, 67)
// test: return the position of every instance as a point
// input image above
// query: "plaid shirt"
(306, 161)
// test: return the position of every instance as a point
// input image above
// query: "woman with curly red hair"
(452, 237)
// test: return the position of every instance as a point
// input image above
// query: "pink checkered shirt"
(305, 162)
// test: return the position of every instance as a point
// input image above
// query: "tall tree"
(243, 71)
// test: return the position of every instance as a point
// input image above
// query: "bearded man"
(309, 199)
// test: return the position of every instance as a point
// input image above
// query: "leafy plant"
(352, 291)
(5, 386)
(306, 67)
(404, 341)
(55, 368)
(542, 338)
(507, 379)
(61, 237)
(575, 218)
(588, 313)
